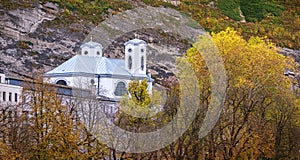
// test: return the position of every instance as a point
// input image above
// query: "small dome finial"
(91, 38)
(136, 35)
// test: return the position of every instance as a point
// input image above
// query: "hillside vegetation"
(254, 10)
(277, 19)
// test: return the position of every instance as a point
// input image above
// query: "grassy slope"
(254, 10)
(276, 19)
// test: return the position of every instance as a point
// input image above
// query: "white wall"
(136, 55)
(83, 82)
(108, 85)
(2, 78)
(92, 51)
(11, 92)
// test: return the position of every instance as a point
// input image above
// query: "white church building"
(108, 78)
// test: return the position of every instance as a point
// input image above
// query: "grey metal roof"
(91, 65)
(135, 42)
(81, 64)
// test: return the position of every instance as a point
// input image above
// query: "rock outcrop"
(20, 22)
(290, 52)
(28, 41)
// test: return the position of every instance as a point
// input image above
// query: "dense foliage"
(259, 119)
(278, 20)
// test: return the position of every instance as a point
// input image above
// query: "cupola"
(92, 49)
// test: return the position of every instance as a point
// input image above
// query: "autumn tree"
(256, 92)
(259, 117)
(13, 133)
(256, 86)
(140, 110)
(138, 92)
(45, 125)
(139, 104)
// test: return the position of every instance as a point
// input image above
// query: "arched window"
(86, 52)
(129, 50)
(142, 50)
(129, 62)
(62, 82)
(120, 89)
(98, 53)
(142, 63)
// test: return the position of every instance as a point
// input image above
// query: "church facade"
(106, 77)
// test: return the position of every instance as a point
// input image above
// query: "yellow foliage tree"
(56, 132)
(256, 86)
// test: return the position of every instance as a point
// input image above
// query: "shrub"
(230, 8)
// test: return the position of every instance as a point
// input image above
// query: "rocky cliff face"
(31, 39)
(20, 22)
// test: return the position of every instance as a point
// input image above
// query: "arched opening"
(62, 82)
(142, 63)
(120, 89)
(129, 62)
(86, 52)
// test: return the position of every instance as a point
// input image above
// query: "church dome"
(135, 42)
(91, 48)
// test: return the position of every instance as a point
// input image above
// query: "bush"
(256, 10)
(230, 8)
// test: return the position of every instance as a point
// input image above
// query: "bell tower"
(135, 56)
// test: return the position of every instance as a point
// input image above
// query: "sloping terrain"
(43, 34)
